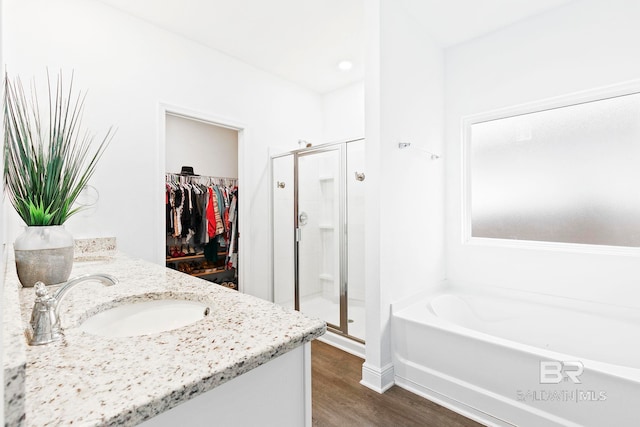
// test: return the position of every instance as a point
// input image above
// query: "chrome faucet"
(45, 317)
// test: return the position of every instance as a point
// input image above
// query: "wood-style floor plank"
(339, 400)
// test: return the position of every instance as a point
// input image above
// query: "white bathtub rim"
(441, 287)
(625, 373)
(621, 313)
(556, 300)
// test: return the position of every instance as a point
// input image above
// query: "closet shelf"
(190, 257)
(327, 277)
(325, 178)
(206, 273)
(184, 258)
(325, 226)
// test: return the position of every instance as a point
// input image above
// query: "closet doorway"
(201, 165)
(318, 234)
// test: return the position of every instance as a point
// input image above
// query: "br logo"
(554, 372)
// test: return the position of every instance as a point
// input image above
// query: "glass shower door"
(319, 215)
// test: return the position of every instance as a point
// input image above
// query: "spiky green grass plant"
(46, 166)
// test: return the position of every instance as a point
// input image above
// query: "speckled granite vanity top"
(90, 380)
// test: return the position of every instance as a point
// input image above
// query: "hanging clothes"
(177, 212)
(211, 215)
(168, 209)
(232, 253)
(219, 207)
(203, 213)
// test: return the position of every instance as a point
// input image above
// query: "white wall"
(343, 113)
(211, 150)
(584, 45)
(130, 67)
(404, 199)
(2, 230)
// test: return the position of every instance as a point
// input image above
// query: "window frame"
(601, 93)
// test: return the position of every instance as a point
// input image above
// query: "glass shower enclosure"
(318, 234)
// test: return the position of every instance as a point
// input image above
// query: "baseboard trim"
(377, 379)
(344, 344)
(451, 404)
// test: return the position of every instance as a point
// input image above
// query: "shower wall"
(318, 198)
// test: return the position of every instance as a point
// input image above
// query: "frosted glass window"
(569, 174)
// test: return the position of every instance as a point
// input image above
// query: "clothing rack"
(202, 227)
(177, 178)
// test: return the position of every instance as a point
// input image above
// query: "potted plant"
(47, 163)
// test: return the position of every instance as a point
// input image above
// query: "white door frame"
(213, 119)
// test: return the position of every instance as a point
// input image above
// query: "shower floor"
(329, 311)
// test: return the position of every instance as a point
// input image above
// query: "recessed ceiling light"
(345, 65)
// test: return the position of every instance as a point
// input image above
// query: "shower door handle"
(303, 218)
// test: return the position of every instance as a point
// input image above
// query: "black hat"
(187, 170)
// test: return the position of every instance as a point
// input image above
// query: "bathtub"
(506, 360)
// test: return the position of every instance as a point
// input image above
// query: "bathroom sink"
(144, 318)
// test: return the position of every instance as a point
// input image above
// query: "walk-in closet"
(201, 199)
(318, 234)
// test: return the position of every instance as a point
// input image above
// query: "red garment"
(227, 226)
(211, 216)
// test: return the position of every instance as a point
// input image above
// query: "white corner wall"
(405, 188)
(130, 67)
(343, 113)
(581, 46)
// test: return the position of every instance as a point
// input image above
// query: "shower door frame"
(343, 328)
(341, 229)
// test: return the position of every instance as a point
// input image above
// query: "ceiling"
(303, 40)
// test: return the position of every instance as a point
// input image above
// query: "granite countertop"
(89, 380)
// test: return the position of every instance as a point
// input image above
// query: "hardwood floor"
(339, 400)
